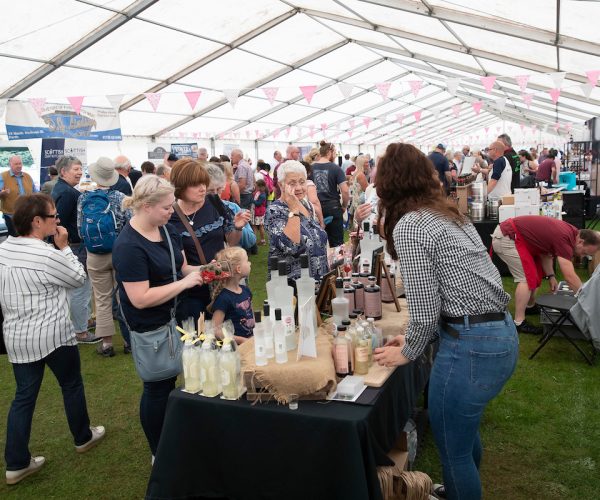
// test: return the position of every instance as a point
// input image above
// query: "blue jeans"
(65, 364)
(80, 306)
(153, 407)
(468, 372)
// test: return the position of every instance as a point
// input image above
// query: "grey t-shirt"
(327, 177)
(244, 171)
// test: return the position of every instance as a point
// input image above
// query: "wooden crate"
(254, 392)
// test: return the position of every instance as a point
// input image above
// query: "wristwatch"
(293, 214)
(547, 277)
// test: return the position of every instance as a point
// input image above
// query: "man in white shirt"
(501, 173)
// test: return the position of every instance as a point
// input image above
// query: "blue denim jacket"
(248, 237)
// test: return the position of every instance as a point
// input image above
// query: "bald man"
(14, 183)
(123, 166)
(202, 154)
(500, 177)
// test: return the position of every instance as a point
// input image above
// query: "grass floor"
(541, 435)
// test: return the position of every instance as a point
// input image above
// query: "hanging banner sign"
(181, 150)
(53, 149)
(55, 121)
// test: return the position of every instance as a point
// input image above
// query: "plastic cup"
(293, 401)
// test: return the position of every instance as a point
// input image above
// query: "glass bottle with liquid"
(341, 353)
(339, 305)
(359, 291)
(268, 331)
(284, 300)
(281, 355)
(260, 350)
(209, 367)
(373, 299)
(348, 335)
(230, 369)
(274, 279)
(361, 352)
(305, 284)
(349, 293)
(190, 359)
(366, 335)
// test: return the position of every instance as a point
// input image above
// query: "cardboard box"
(509, 199)
(526, 210)
(529, 196)
(505, 212)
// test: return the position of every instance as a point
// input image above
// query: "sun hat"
(103, 172)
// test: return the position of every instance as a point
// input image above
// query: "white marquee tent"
(269, 72)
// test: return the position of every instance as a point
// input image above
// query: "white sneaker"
(98, 434)
(152, 459)
(14, 476)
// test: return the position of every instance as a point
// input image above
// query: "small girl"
(233, 301)
(259, 208)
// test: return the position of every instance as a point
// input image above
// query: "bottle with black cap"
(341, 353)
(359, 291)
(340, 305)
(284, 300)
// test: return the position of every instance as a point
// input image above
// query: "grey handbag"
(157, 353)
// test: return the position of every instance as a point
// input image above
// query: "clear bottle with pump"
(341, 353)
(268, 331)
(339, 305)
(373, 299)
(284, 300)
(209, 367)
(281, 355)
(260, 349)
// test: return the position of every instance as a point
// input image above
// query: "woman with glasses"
(35, 278)
(211, 222)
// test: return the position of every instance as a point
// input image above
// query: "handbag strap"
(173, 267)
(190, 229)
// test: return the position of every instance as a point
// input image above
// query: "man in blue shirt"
(441, 164)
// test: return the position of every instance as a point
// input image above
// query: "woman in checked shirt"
(453, 290)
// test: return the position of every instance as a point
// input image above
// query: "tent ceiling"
(101, 47)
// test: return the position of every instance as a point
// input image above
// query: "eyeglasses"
(50, 216)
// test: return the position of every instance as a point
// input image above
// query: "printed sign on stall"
(60, 121)
(183, 150)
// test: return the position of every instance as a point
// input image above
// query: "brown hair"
(325, 148)
(589, 237)
(27, 208)
(187, 173)
(408, 181)
(148, 167)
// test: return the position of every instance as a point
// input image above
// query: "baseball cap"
(172, 157)
(441, 146)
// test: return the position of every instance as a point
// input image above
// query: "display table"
(212, 448)
(485, 228)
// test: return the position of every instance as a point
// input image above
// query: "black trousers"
(335, 229)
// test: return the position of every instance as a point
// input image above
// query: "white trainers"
(14, 476)
(98, 434)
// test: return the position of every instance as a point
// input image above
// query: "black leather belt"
(477, 318)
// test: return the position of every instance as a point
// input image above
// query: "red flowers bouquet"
(215, 271)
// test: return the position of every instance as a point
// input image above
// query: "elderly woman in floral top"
(292, 225)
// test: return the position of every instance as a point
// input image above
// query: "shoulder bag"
(157, 353)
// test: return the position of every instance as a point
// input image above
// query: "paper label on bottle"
(279, 347)
(362, 354)
(341, 358)
(225, 377)
(203, 375)
(260, 350)
(288, 323)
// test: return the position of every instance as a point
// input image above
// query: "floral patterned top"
(313, 240)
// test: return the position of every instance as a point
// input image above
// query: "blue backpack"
(98, 223)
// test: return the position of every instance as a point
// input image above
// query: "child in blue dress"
(232, 300)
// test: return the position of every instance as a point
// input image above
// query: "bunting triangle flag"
(351, 124)
(456, 110)
(417, 115)
(115, 101)
(232, 96)
(154, 99)
(323, 127)
(311, 131)
(288, 131)
(558, 78)
(192, 97)
(270, 93)
(477, 106)
(384, 89)
(554, 95)
(501, 104)
(400, 118)
(308, 91)
(37, 103)
(367, 121)
(587, 88)
(488, 82)
(76, 102)
(592, 76)
(522, 81)
(527, 98)
(415, 86)
(452, 84)
(345, 89)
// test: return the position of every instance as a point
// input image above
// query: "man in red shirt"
(547, 170)
(528, 245)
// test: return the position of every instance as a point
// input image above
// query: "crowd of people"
(133, 242)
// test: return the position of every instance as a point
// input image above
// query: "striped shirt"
(34, 280)
(446, 271)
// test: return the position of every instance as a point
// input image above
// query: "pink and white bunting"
(37, 103)
(384, 89)
(527, 98)
(288, 132)
(592, 76)
(558, 78)
(270, 93)
(308, 91)
(400, 118)
(192, 97)
(154, 99)
(115, 101)
(587, 89)
(323, 128)
(456, 110)
(452, 85)
(76, 102)
(477, 106)
(522, 81)
(554, 95)
(247, 134)
(501, 103)
(417, 115)
(488, 83)
(415, 86)
(311, 131)
(345, 89)
(232, 96)
(367, 121)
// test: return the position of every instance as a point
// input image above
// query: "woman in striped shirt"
(35, 278)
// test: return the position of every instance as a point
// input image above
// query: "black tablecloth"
(485, 229)
(211, 448)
